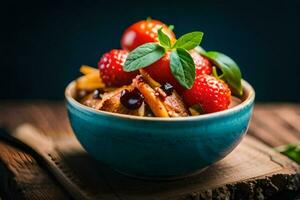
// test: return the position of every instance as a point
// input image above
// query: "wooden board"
(276, 124)
(249, 169)
(21, 177)
(249, 164)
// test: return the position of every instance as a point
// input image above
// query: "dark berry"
(167, 88)
(131, 99)
(96, 94)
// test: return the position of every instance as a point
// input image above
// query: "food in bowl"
(160, 108)
(155, 147)
(157, 75)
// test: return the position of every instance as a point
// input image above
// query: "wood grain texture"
(23, 178)
(276, 124)
(272, 124)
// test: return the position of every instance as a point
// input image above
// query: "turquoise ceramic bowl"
(159, 147)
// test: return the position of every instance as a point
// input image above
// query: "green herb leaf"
(143, 56)
(292, 151)
(199, 50)
(183, 67)
(189, 40)
(164, 40)
(231, 71)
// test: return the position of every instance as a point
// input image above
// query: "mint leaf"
(183, 67)
(164, 40)
(189, 40)
(231, 71)
(143, 56)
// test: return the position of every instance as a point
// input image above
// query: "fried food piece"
(85, 69)
(160, 103)
(90, 101)
(154, 102)
(89, 82)
(91, 79)
(111, 103)
(175, 105)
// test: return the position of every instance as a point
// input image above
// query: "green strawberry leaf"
(163, 39)
(189, 40)
(143, 56)
(231, 71)
(183, 67)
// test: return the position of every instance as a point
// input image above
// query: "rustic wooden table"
(272, 125)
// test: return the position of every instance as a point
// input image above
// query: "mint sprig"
(231, 73)
(143, 56)
(163, 39)
(189, 40)
(181, 63)
(183, 67)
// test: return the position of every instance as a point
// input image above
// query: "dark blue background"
(43, 44)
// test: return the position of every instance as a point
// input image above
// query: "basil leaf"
(143, 56)
(189, 40)
(183, 67)
(231, 71)
(164, 40)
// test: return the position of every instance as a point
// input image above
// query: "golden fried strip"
(151, 99)
(175, 106)
(85, 69)
(89, 82)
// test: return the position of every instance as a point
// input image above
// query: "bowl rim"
(246, 87)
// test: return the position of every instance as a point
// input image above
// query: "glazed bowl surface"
(155, 147)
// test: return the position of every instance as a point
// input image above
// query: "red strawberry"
(111, 68)
(161, 72)
(202, 64)
(209, 92)
(143, 32)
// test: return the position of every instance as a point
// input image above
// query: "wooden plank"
(38, 185)
(23, 178)
(50, 117)
(272, 124)
(290, 115)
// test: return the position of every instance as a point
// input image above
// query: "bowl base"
(161, 178)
